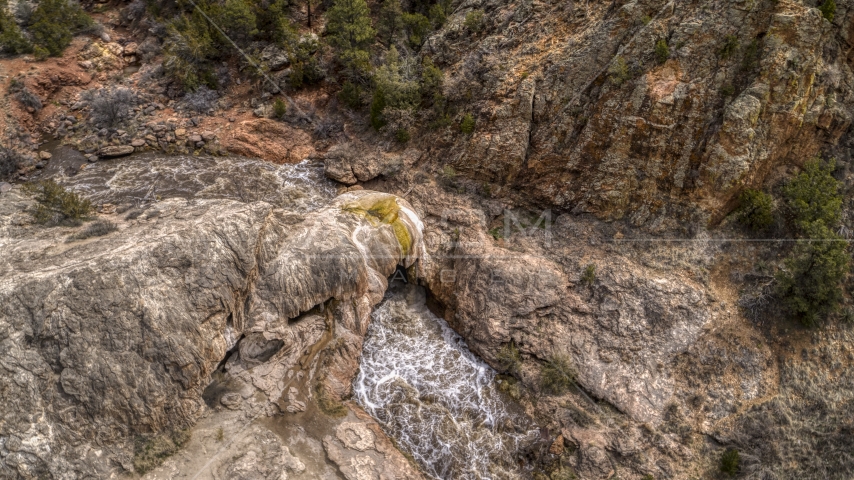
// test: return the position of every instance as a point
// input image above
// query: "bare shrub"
(134, 12)
(203, 100)
(95, 229)
(327, 127)
(29, 99)
(110, 106)
(10, 161)
(398, 119)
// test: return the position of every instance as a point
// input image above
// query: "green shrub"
(12, 39)
(648, 477)
(728, 90)
(150, 453)
(417, 28)
(474, 21)
(398, 81)
(54, 23)
(189, 51)
(236, 18)
(467, 124)
(350, 95)
(497, 233)
(432, 79)
(510, 386)
(729, 47)
(811, 284)
(57, 205)
(397, 89)
(828, 9)
(378, 103)
(305, 64)
(755, 210)
(729, 462)
(751, 56)
(272, 21)
(402, 135)
(813, 196)
(589, 275)
(619, 71)
(509, 359)
(280, 108)
(448, 171)
(557, 375)
(662, 51)
(438, 13)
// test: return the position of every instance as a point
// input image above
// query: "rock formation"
(116, 337)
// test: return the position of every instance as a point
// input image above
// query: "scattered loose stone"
(45, 155)
(138, 142)
(116, 151)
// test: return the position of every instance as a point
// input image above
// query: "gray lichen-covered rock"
(117, 336)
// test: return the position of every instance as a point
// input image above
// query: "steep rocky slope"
(576, 110)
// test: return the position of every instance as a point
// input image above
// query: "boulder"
(349, 163)
(131, 49)
(112, 151)
(275, 57)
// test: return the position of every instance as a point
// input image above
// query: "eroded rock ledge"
(111, 338)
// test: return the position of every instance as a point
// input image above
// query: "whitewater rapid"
(434, 397)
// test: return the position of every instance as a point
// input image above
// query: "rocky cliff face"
(586, 116)
(113, 338)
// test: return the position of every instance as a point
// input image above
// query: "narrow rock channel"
(434, 397)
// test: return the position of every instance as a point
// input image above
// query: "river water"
(143, 178)
(434, 397)
(418, 379)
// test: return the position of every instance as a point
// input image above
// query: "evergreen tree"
(350, 32)
(390, 21)
(811, 285)
(11, 38)
(54, 23)
(236, 18)
(814, 196)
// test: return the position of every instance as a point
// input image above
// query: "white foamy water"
(299, 187)
(434, 397)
